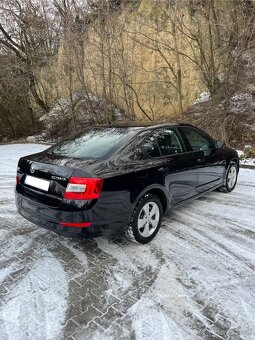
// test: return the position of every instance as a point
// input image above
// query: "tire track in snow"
(196, 301)
(191, 227)
(35, 307)
(117, 286)
(207, 228)
(21, 255)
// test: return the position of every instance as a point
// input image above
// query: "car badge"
(32, 170)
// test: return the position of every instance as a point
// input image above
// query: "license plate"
(37, 183)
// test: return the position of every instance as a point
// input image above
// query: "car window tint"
(150, 147)
(168, 142)
(198, 141)
(93, 143)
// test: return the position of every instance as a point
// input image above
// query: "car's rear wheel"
(146, 219)
(231, 178)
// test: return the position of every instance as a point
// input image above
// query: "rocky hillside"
(230, 115)
(79, 63)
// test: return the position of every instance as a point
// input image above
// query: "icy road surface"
(194, 281)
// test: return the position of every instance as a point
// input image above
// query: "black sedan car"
(121, 179)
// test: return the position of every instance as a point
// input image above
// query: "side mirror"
(220, 145)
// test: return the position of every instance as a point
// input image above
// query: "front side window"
(198, 141)
(163, 142)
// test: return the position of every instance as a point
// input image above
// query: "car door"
(209, 160)
(170, 164)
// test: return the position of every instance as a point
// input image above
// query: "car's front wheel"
(146, 219)
(231, 178)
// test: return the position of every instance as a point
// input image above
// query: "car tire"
(146, 219)
(230, 179)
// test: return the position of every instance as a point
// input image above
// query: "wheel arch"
(234, 160)
(158, 191)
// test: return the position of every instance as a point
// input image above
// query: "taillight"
(17, 179)
(76, 225)
(79, 188)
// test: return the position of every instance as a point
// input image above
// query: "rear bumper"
(50, 218)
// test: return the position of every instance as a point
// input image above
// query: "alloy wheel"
(232, 174)
(148, 219)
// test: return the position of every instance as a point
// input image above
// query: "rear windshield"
(94, 143)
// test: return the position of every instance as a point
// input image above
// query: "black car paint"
(127, 175)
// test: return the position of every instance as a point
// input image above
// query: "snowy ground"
(194, 281)
(249, 162)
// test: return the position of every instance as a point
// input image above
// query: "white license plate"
(37, 183)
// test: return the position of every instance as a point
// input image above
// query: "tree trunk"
(178, 63)
(38, 100)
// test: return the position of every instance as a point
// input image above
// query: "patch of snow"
(240, 153)
(240, 101)
(128, 257)
(245, 158)
(241, 96)
(12, 247)
(203, 97)
(61, 107)
(86, 109)
(247, 146)
(248, 161)
(79, 254)
(5, 272)
(11, 153)
(38, 137)
(120, 279)
(150, 321)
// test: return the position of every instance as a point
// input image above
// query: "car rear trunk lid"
(44, 178)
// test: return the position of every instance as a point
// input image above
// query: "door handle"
(142, 173)
(163, 168)
(200, 160)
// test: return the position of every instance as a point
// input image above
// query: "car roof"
(139, 126)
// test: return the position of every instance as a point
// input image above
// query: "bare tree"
(14, 89)
(29, 31)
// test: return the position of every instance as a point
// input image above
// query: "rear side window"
(198, 141)
(168, 142)
(163, 142)
(94, 143)
(150, 147)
